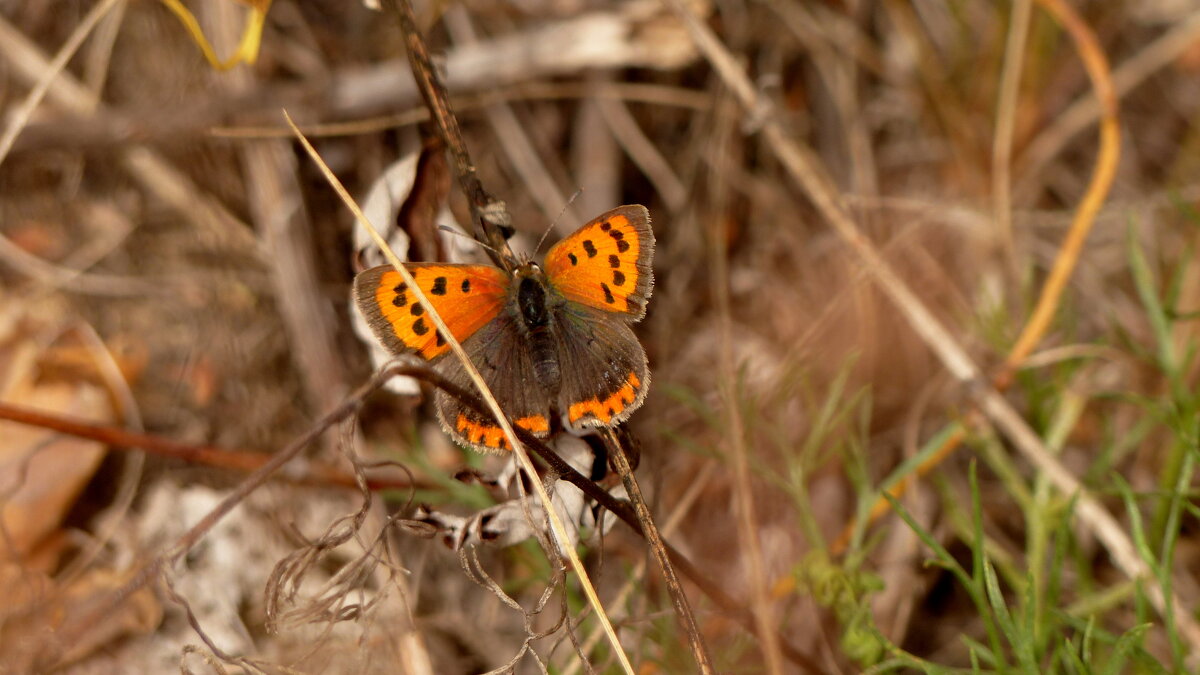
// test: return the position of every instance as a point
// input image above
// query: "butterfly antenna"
(451, 230)
(560, 215)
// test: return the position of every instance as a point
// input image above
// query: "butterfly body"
(552, 342)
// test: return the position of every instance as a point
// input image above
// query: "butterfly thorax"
(537, 321)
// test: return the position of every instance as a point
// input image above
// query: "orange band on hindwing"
(491, 436)
(606, 409)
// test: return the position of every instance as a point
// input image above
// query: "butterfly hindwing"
(502, 356)
(467, 297)
(606, 263)
(604, 372)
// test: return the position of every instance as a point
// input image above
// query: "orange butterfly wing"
(466, 297)
(606, 263)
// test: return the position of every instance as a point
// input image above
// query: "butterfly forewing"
(606, 263)
(467, 297)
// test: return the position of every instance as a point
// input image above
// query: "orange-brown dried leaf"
(42, 472)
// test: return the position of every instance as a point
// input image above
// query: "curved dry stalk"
(1102, 178)
(805, 170)
(488, 212)
(1081, 114)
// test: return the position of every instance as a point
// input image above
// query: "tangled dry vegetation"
(858, 207)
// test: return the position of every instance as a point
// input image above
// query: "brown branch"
(316, 473)
(488, 212)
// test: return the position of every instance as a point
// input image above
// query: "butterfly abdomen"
(535, 315)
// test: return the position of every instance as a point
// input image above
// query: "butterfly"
(553, 342)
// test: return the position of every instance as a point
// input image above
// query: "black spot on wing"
(622, 245)
(573, 259)
(608, 296)
(440, 340)
(589, 248)
(606, 226)
(613, 261)
(439, 286)
(419, 327)
(466, 286)
(618, 278)
(418, 309)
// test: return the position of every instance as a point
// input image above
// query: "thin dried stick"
(678, 511)
(20, 116)
(803, 167)
(1006, 106)
(683, 610)
(316, 473)
(734, 426)
(508, 130)
(489, 213)
(556, 524)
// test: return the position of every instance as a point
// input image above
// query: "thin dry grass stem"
(97, 56)
(493, 406)
(943, 100)
(1002, 140)
(286, 231)
(803, 167)
(20, 116)
(761, 604)
(683, 610)
(131, 472)
(643, 152)
(249, 665)
(159, 177)
(469, 559)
